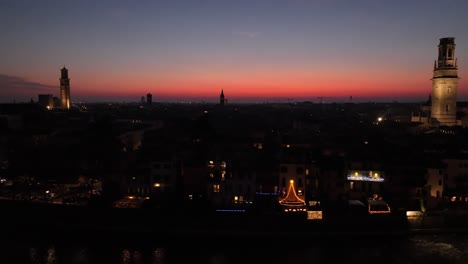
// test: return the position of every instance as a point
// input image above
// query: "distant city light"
(410, 214)
(231, 210)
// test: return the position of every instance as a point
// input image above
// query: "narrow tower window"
(446, 108)
(450, 53)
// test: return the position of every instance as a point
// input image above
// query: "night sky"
(254, 50)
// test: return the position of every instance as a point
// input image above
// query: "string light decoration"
(292, 203)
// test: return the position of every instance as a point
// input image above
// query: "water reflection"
(43, 255)
(158, 256)
(34, 256)
(51, 257)
(132, 257)
(415, 250)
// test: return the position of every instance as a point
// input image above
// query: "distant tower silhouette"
(64, 89)
(149, 99)
(444, 84)
(221, 98)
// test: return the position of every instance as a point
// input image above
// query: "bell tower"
(64, 89)
(444, 85)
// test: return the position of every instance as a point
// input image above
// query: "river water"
(424, 249)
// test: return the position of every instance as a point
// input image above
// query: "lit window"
(216, 188)
(351, 185)
(314, 215)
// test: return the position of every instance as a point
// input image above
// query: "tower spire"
(221, 97)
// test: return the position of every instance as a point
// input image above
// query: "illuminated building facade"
(230, 186)
(216, 174)
(64, 89)
(444, 84)
(441, 108)
(365, 183)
